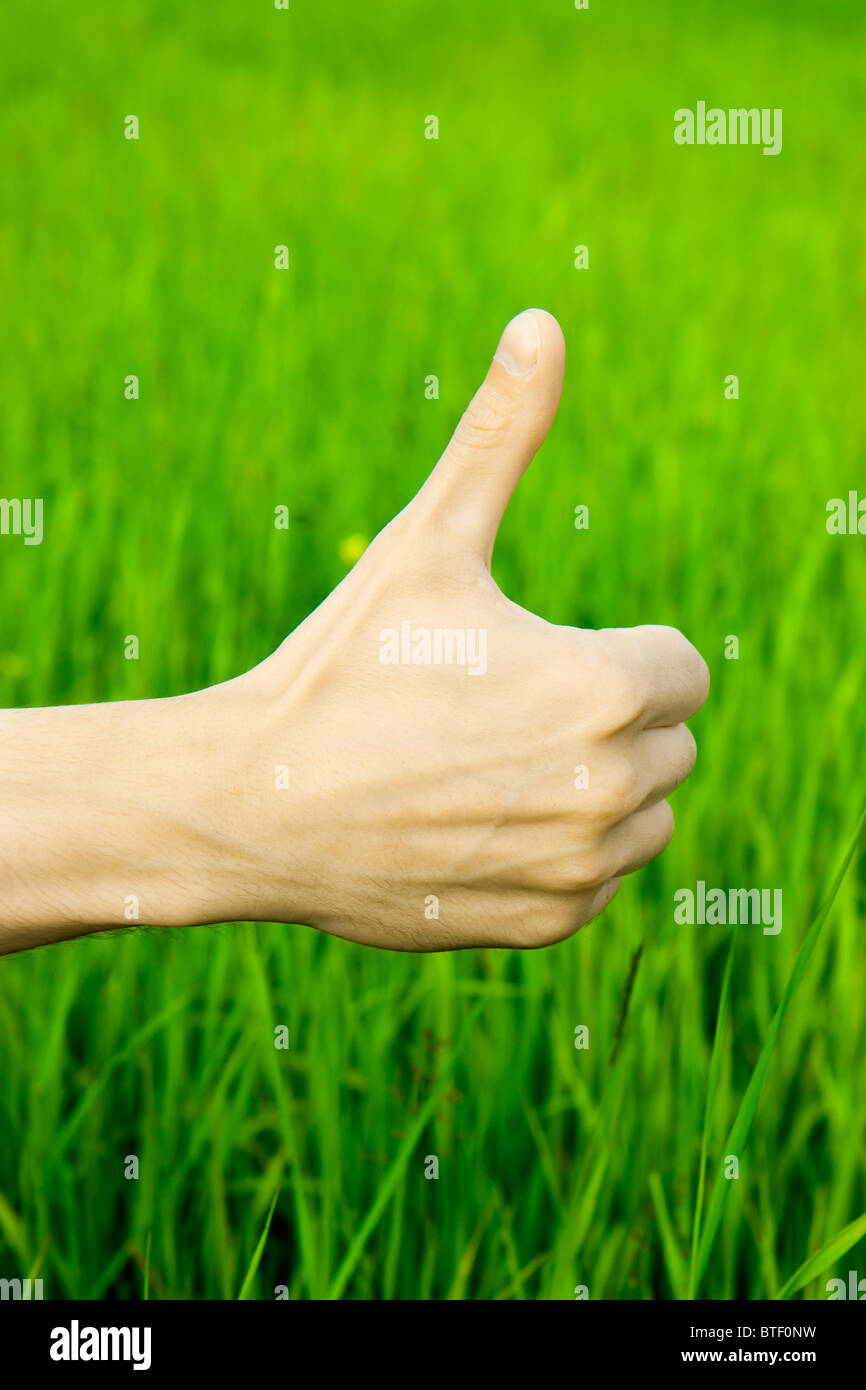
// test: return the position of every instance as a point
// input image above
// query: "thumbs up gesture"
(456, 771)
(422, 765)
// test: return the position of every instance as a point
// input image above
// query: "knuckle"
(621, 790)
(485, 423)
(591, 871)
(553, 878)
(547, 927)
(621, 697)
(570, 872)
(686, 657)
(650, 837)
(696, 672)
(666, 636)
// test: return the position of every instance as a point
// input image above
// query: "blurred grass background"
(306, 388)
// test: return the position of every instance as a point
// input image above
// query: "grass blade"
(741, 1128)
(822, 1259)
(673, 1259)
(712, 1086)
(147, 1267)
(401, 1159)
(258, 1252)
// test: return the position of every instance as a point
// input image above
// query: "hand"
(422, 765)
(432, 805)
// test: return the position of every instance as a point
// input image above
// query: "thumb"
(503, 426)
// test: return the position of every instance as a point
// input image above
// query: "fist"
(456, 771)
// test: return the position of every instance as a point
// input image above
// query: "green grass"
(558, 1167)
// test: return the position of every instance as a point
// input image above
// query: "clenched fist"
(422, 765)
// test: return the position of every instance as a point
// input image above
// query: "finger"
(666, 757)
(642, 837)
(671, 676)
(501, 429)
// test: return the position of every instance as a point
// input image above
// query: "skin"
(326, 787)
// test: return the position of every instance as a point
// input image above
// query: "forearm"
(106, 818)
